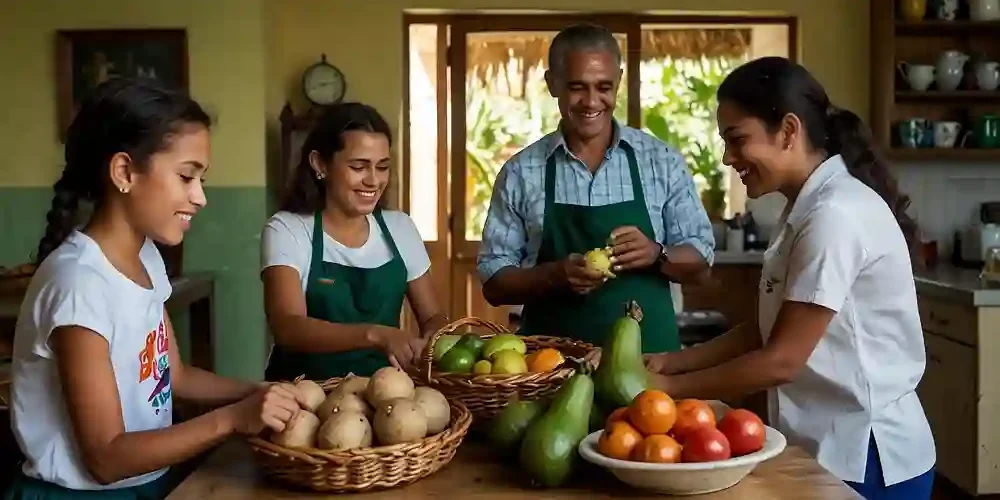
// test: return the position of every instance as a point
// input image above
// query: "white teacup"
(919, 76)
(946, 133)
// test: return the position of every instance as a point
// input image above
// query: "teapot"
(949, 69)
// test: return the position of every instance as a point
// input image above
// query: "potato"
(339, 402)
(353, 384)
(343, 431)
(312, 393)
(399, 420)
(435, 407)
(388, 383)
(300, 432)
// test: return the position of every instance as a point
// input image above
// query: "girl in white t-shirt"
(336, 266)
(95, 364)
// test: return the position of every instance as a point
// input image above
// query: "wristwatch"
(662, 257)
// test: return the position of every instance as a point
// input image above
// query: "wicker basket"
(362, 469)
(486, 395)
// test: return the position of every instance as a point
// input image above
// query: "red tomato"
(706, 444)
(744, 430)
(692, 414)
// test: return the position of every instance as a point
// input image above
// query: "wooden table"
(194, 292)
(229, 473)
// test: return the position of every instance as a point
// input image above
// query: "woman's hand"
(270, 406)
(397, 344)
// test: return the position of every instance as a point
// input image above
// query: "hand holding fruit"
(580, 277)
(656, 363)
(631, 249)
(272, 406)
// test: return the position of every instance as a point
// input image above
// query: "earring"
(123, 189)
(320, 175)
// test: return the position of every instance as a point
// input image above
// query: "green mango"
(622, 373)
(507, 428)
(471, 343)
(549, 448)
(443, 344)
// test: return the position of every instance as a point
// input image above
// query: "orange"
(657, 448)
(544, 360)
(652, 412)
(621, 414)
(618, 440)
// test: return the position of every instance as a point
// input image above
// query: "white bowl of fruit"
(685, 448)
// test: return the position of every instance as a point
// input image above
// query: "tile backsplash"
(946, 196)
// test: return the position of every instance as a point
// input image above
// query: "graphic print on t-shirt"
(154, 363)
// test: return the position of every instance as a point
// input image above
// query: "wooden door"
(495, 93)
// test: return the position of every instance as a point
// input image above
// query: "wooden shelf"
(937, 27)
(936, 95)
(940, 154)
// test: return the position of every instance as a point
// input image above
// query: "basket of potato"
(363, 434)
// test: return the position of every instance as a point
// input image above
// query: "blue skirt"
(874, 488)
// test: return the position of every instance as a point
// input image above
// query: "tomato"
(692, 414)
(706, 444)
(744, 430)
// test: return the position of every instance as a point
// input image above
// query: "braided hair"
(121, 115)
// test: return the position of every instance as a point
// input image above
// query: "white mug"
(988, 75)
(946, 133)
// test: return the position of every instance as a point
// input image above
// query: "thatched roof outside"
(488, 52)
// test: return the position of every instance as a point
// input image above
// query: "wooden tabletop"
(229, 473)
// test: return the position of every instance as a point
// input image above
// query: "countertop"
(959, 285)
(230, 473)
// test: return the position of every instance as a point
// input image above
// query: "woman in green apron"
(576, 188)
(337, 266)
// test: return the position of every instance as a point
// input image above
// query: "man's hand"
(580, 278)
(631, 249)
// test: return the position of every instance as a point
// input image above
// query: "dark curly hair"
(769, 88)
(121, 115)
(307, 194)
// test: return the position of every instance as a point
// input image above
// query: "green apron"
(349, 295)
(29, 488)
(576, 229)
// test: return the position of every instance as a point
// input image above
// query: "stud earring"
(320, 175)
(124, 190)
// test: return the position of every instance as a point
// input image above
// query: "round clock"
(323, 84)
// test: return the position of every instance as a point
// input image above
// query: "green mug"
(985, 131)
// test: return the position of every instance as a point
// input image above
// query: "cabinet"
(916, 115)
(960, 393)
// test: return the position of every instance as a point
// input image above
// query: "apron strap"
(316, 264)
(633, 168)
(550, 182)
(386, 234)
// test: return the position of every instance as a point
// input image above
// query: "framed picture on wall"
(86, 58)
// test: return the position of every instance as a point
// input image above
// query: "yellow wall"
(226, 47)
(365, 40)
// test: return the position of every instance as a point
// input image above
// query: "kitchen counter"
(230, 473)
(949, 283)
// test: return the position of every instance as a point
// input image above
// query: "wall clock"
(323, 84)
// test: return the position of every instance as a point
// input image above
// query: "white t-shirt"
(76, 285)
(839, 246)
(287, 241)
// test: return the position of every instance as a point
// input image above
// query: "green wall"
(224, 238)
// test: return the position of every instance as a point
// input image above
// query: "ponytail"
(852, 139)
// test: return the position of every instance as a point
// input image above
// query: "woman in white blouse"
(838, 342)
